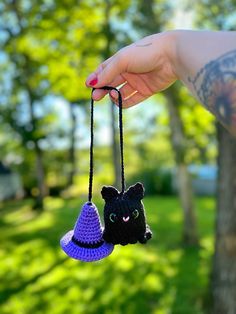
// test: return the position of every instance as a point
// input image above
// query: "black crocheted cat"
(124, 216)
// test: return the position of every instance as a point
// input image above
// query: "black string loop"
(90, 191)
(92, 141)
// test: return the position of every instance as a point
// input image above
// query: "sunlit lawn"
(160, 277)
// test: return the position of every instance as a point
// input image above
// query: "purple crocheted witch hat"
(85, 241)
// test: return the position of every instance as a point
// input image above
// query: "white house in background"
(204, 179)
(10, 183)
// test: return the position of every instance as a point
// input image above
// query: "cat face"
(122, 211)
(123, 214)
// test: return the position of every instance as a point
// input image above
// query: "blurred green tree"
(221, 16)
(191, 139)
(28, 84)
(88, 37)
(67, 59)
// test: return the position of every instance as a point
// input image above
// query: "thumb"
(107, 72)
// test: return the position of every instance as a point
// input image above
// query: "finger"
(133, 100)
(102, 66)
(98, 94)
(108, 72)
(111, 72)
(91, 80)
(126, 91)
(130, 101)
(120, 79)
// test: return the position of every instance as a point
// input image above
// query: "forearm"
(206, 64)
(204, 61)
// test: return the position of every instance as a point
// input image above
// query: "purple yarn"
(78, 243)
(88, 227)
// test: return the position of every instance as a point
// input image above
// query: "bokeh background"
(172, 145)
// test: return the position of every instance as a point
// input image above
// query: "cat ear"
(109, 192)
(136, 191)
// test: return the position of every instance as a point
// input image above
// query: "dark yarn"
(124, 216)
(124, 213)
(87, 245)
(92, 137)
(90, 191)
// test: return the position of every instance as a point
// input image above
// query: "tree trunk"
(186, 198)
(39, 160)
(178, 141)
(72, 163)
(224, 264)
(40, 178)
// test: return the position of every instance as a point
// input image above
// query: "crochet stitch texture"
(85, 241)
(124, 216)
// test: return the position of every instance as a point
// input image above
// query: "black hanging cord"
(121, 136)
(121, 141)
(91, 150)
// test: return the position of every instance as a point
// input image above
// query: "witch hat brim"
(85, 252)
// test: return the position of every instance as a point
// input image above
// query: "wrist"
(168, 42)
(173, 39)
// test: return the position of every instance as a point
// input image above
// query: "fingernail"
(93, 82)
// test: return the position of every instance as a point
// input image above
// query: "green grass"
(161, 277)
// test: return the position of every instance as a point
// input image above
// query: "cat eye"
(112, 217)
(135, 213)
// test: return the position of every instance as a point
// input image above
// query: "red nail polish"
(93, 82)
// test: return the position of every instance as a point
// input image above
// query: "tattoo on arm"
(215, 85)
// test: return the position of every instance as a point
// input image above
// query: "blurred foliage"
(152, 16)
(160, 277)
(49, 47)
(217, 16)
(156, 181)
(198, 127)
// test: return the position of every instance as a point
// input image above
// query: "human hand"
(142, 68)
